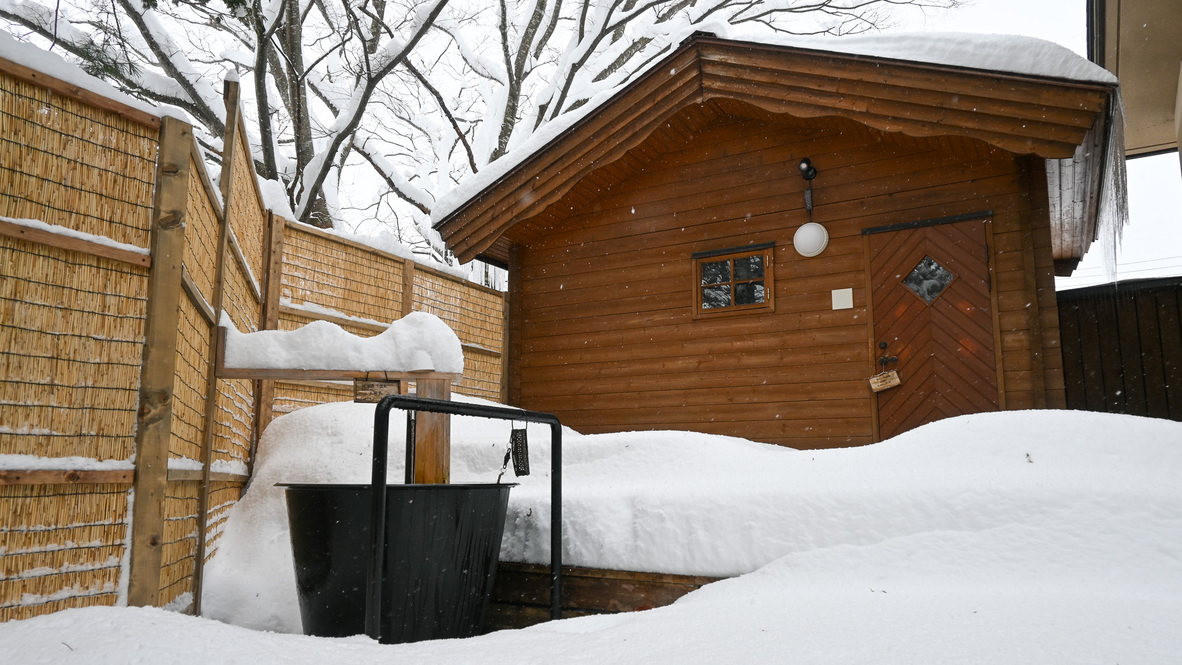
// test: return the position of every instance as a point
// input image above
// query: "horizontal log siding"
(603, 329)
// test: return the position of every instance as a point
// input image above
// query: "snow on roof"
(1011, 54)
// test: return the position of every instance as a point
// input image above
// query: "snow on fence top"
(54, 65)
(417, 342)
(1012, 54)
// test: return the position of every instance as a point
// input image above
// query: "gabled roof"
(1055, 118)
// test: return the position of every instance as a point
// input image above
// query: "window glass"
(748, 293)
(928, 279)
(716, 296)
(741, 280)
(716, 272)
(749, 267)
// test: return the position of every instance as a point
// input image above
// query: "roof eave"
(472, 230)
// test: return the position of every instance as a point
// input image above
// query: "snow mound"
(680, 502)
(417, 342)
(1005, 538)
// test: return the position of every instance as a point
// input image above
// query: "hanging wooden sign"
(880, 382)
(372, 392)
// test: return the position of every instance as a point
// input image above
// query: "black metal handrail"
(377, 517)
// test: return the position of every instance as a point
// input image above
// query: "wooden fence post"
(408, 286)
(233, 123)
(158, 368)
(272, 283)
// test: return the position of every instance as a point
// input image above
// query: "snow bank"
(417, 342)
(1007, 539)
(680, 502)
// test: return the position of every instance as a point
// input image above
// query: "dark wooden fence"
(1122, 347)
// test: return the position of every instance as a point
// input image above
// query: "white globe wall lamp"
(810, 239)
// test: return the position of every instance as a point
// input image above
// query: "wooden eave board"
(593, 139)
(1020, 114)
(1138, 41)
(904, 87)
(993, 88)
(1016, 133)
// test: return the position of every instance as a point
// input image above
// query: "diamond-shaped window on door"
(928, 279)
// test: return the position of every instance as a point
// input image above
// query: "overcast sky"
(1152, 244)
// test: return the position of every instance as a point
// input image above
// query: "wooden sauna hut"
(742, 238)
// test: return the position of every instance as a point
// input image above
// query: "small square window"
(928, 279)
(733, 280)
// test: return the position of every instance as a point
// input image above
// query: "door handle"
(884, 359)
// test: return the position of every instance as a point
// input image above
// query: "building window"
(733, 280)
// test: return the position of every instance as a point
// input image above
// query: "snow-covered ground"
(1008, 538)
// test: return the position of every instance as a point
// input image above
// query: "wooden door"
(932, 310)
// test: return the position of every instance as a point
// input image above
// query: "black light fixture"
(807, 169)
(808, 172)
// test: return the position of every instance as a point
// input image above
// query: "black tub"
(442, 543)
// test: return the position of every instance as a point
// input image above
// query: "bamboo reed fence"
(136, 449)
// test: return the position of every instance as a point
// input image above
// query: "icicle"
(1113, 213)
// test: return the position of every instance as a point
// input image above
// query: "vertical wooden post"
(512, 332)
(872, 349)
(233, 126)
(506, 312)
(408, 286)
(1030, 273)
(433, 452)
(158, 367)
(272, 283)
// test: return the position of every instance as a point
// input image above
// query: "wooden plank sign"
(880, 382)
(372, 392)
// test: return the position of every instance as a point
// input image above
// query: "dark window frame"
(730, 255)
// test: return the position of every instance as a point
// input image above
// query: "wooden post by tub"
(432, 431)
(433, 444)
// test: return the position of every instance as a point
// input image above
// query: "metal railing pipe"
(377, 523)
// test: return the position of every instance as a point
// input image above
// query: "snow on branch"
(388, 56)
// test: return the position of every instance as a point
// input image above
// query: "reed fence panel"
(180, 543)
(71, 337)
(71, 340)
(78, 352)
(71, 164)
(64, 546)
(323, 271)
(245, 210)
(190, 383)
(361, 289)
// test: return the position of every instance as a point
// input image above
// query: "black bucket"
(442, 547)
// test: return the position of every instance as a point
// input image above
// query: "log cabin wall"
(602, 325)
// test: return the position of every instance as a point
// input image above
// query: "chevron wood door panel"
(932, 311)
